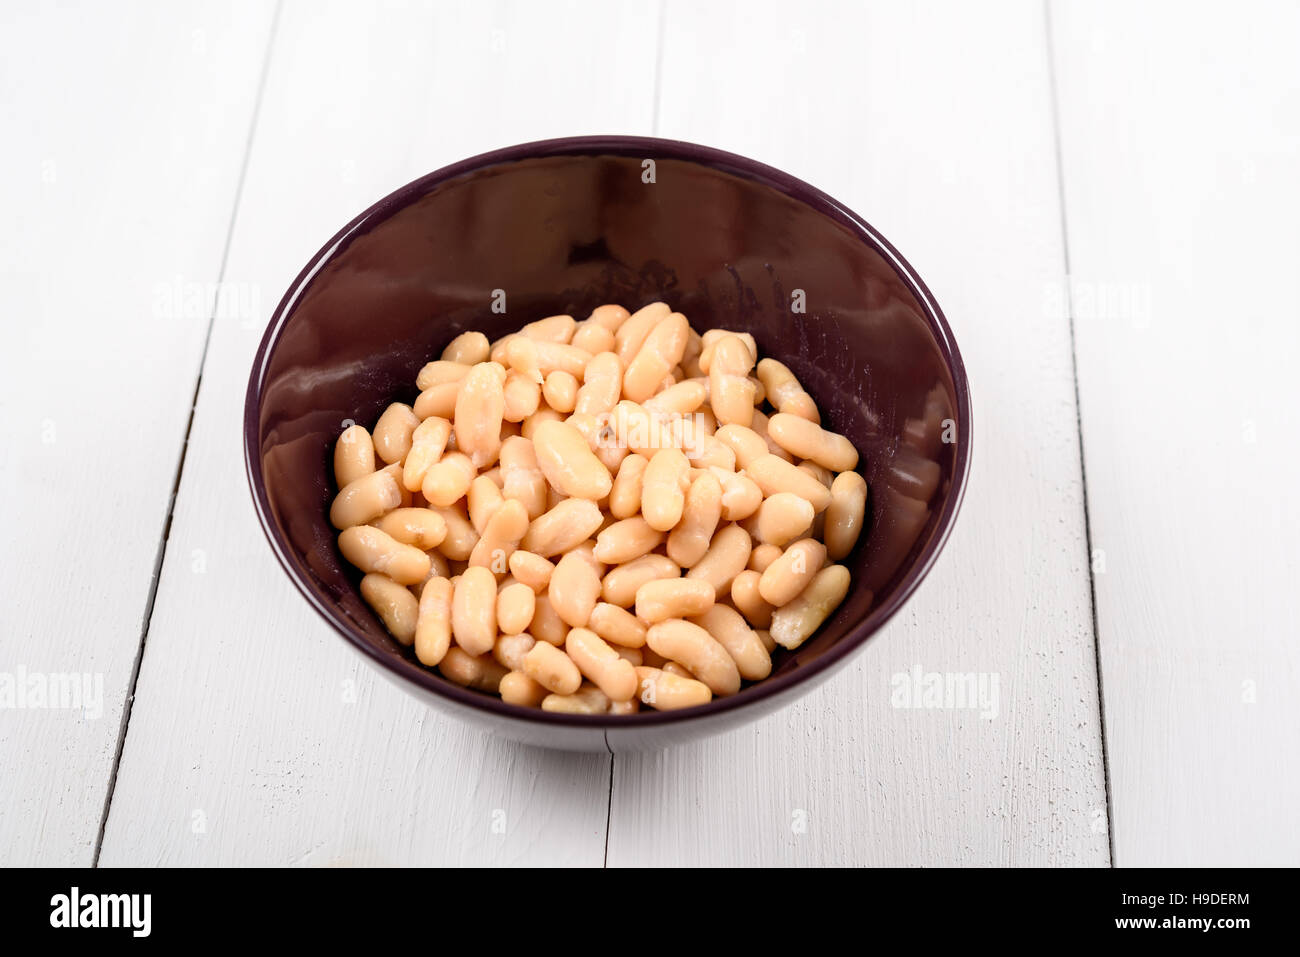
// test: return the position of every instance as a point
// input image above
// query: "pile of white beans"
(588, 517)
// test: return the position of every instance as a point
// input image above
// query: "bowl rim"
(657, 148)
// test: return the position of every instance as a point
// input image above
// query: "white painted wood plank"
(243, 747)
(1180, 132)
(934, 122)
(124, 130)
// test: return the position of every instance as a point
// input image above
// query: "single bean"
(663, 489)
(354, 455)
(587, 700)
(808, 440)
(433, 627)
(461, 536)
(516, 604)
(726, 558)
(550, 329)
(552, 669)
(571, 522)
(666, 598)
(731, 631)
(560, 391)
(846, 514)
(790, 574)
(781, 519)
(420, 527)
(547, 625)
(392, 436)
(365, 499)
(689, 541)
(678, 399)
(557, 356)
(796, 621)
(610, 315)
(440, 371)
(396, 607)
(574, 589)
(698, 651)
(468, 348)
(664, 691)
(531, 570)
(373, 550)
(447, 481)
(625, 492)
(519, 689)
(749, 601)
(763, 556)
(480, 407)
(784, 391)
(504, 531)
(601, 664)
(593, 337)
(439, 400)
(617, 625)
(474, 610)
(568, 462)
(481, 673)
(623, 541)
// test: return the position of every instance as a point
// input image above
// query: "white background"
(1103, 197)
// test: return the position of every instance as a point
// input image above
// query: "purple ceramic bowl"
(562, 226)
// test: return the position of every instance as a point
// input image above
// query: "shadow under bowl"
(562, 226)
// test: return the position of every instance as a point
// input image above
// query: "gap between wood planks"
(1078, 414)
(654, 131)
(185, 442)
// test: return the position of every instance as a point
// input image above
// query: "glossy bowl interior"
(561, 227)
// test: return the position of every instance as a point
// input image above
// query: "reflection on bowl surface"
(561, 227)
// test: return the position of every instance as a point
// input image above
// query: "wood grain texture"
(257, 736)
(1180, 127)
(124, 132)
(934, 122)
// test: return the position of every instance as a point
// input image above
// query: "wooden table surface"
(1104, 198)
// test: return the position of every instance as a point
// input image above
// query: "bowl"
(561, 226)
